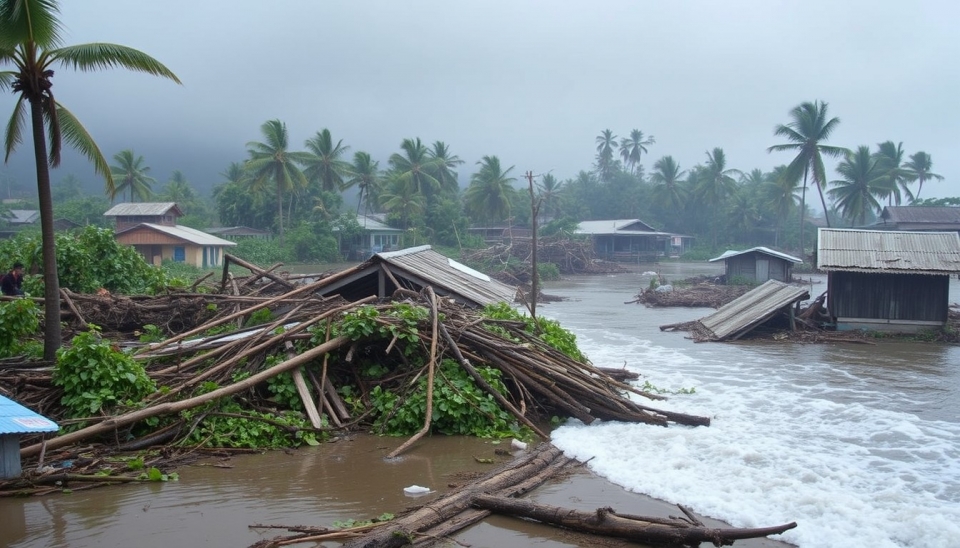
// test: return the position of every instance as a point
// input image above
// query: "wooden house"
(152, 229)
(631, 240)
(757, 264)
(895, 281)
(16, 420)
(922, 218)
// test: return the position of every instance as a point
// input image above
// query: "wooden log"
(175, 407)
(399, 532)
(303, 391)
(259, 271)
(64, 293)
(431, 366)
(605, 521)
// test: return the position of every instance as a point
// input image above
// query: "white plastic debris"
(649, 273)
(415, 490)
(518, 445)
(667, 288)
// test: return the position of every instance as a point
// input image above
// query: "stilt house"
(888, 281)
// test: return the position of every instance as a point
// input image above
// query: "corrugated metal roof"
(449, 275)
(185, 233)
(614, 226)
(738, 317)
(238, 231)
(23, 216)
(888, 251)
(142, 208)
(766, 250)
(369, 223)
(921, 214)
(17, 419)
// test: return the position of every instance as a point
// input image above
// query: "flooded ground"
(857, 443)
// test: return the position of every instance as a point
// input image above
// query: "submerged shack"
(413, 269)
(886, 280)
(757, 264)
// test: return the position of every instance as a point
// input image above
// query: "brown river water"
(216, 503)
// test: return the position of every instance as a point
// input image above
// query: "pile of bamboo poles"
(542, 382)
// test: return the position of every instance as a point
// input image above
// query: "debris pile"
(571, 257)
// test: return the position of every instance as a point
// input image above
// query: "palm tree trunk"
(51, 283)
(280, 211)
(823, 202)
(803, 207)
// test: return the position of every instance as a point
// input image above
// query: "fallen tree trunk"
(605, 521)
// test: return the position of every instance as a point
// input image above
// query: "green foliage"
(552, 334)
(19, 319)
(548, 271)
(741, 280)
(258, 317)
(151, 334)
(352, 523)
(282, 389)
(312, 243)
(225, 423)
(259, 251)
(460, 407)
(649, 387)
(96, 377)
(364, 322)
(154, 474)
(87, 260)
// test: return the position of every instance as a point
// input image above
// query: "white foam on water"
(784, 445)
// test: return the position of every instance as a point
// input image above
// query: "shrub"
(19, 319)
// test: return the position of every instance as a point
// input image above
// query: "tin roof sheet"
(142, 208)
(898, 252)
(765, 250)
(17, 419)
(921, 214)
(186, 234)
(614, 226)
(741, 315)
(450, 275)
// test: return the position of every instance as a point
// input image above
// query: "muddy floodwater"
(860, 444)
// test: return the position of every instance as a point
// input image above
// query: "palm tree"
(716, 181)
(30, 41)
(445, 163)
(549, 190)
(605, 143)
(918, 169)
(631, 147)
(781, 193)
(490, 192)
(889, 160)
(132, 177)
(178, 189)
(402, 199)
(365, 174)
(322, 162)
(807, 130)
(863, 178)
(270, 161)
(416, 166)
(667, 179)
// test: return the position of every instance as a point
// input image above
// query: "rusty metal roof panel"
(896, 252)
(754, 307)
(448, 276)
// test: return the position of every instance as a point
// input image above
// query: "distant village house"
(757, 264)
(152, 229)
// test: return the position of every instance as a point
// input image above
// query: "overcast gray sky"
(533, 82)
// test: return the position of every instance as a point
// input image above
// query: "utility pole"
(535, 276)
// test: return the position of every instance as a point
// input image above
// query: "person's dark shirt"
(11, 284)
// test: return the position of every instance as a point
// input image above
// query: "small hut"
(757, 264)
(888, 281)
(16, 420)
